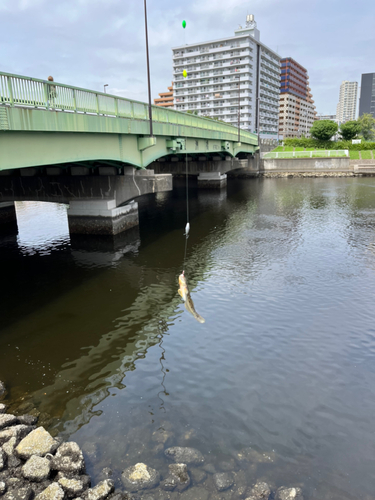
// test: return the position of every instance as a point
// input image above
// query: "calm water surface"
(283, 270)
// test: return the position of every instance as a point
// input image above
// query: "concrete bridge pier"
(212, 180)
(101, 217)
(8, 218)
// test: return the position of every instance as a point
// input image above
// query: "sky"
(89, 43)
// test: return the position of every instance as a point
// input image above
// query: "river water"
(283, 270)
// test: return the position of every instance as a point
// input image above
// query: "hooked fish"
(185, 294)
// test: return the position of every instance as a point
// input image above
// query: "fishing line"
(187, 227)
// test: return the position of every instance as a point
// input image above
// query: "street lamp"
(148, 72)
(106, 85)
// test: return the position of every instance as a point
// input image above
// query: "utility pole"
(148, 73)
(106, 85)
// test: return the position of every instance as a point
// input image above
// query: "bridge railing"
(16, 90)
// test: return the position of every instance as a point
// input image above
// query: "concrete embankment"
(305, 167)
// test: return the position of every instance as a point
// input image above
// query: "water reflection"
(283, 272)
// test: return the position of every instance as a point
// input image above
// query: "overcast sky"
(88, 43)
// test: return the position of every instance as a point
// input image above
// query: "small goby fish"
(185, 294)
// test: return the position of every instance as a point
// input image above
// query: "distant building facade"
(165, 99)
(234, 79)
(296, 106)
(347, 106)
(367, 97)
(327, 117)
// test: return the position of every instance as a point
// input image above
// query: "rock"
(10, 445)
(38, 442)
(100, 492)
(27, 419)
(25, 493)
(36, 469)
(52, 492)
(198, 475)
(90, 449)
(227, 465)
(3, 459)
(3, 487)
(122, 496)
(223, 480)
(210, 468)
(18, 431)
(7, 420)
(3, 408)
(251, 455)
(140, 477)
(161, 436)
(13, 462)
(178, 478)
(284, 493)
(2, 390)
(69, 458)
(72, 486)
(106, 473)
(260, 491)
(184, 455)
(195, 493)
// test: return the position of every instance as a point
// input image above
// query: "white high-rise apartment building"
(221, 71)
(347, 106)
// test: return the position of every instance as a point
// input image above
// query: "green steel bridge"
(46, 123)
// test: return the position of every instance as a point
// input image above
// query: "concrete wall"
(298, 165)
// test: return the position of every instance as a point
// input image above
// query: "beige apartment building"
(165, 99)
(297, 109)
(347, 106)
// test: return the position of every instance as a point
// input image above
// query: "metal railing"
(305, 154)
(26, 92)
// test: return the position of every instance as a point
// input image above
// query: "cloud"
(91, 42)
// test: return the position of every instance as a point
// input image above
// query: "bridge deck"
(89, 126)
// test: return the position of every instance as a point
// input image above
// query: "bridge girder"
(37, 137)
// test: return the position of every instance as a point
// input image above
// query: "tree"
(350, 130)
(192, 112)
(323, 130)
(367, 124)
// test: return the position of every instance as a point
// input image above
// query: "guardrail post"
(74, 101)
(97, 103)
(10, 90)
(45, 88)
(311, 154)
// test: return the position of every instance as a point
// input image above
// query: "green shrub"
(278, 149)
(312, 144)
(299, 149)
(366, 155)
(288, 148)
(310, 149)
(354, 155)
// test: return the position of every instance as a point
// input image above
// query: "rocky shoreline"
(36, 466)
